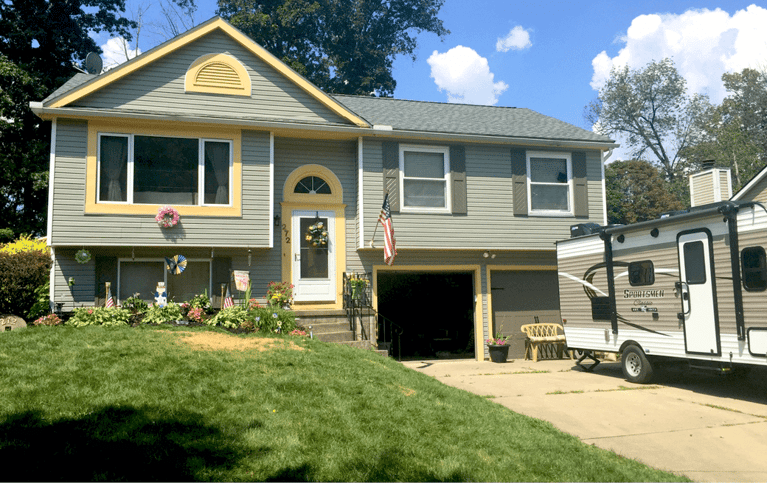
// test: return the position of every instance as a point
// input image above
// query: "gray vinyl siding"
(159, 86)
(340, 157)
(71, 226)
(489, 222)
(82, 292)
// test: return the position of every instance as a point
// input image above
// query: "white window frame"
(200, 169)
(445, 151)
(165, 273)
(557, 155)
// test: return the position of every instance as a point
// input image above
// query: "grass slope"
(133, 404)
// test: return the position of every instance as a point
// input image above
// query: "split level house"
(252, 155)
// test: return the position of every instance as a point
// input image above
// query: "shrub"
(201, 301)
(135, 304)
(50, 319)
(273, 320)
(42, 303)
(106, 316)
(25, 244)
(197, 315)
(160, 315)
(229, 318)
(21, 273)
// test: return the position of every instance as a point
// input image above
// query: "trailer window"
(641, 273)
(695, 263)
(754, 263)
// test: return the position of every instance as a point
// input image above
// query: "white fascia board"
(271, 190)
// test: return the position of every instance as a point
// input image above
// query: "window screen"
(694, 263)
(754, 263)
(641, 273)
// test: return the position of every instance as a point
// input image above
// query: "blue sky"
(551, 57)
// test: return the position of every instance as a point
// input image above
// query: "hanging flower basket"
(317, 235)
(83, 256)
(167, 217)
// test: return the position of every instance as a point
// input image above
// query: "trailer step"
(590, 355)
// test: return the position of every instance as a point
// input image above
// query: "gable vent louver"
(218, 74)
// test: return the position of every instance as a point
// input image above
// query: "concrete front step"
(332, 326)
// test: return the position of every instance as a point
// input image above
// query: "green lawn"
(100, 403)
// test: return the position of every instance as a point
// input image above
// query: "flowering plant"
(51, 319)
(279, 294)
(167, 217)
(298, 332)
(317, 235)
(497, 340)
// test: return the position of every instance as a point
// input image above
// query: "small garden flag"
(390, 244)
(110, 301)
(228, 301)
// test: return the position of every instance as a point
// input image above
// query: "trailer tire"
(636, 367)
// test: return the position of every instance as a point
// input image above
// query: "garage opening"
(434, 310)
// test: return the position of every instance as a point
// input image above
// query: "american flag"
(110, 301)
(390, 244)
(228, 301)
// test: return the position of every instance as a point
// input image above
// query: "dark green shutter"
(222, 273)
(580, 189)
(390, 155)
(458, 179)
(106, 271)
(519, 181)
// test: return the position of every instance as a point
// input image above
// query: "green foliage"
(42, 304)
(161, 315)
(229, 318)
(135, 304)
(279, 294)
(39, 40)
(201, 301)
(272, 320)
(651, 109)
(637, 192)
(105, 316)
(21, 274)
(50, 320)
(734, 134)
(343, 46)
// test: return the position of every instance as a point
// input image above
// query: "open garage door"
(518, 298)
(434, 309)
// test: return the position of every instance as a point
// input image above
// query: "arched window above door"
(313, 185)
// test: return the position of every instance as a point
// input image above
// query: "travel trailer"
(689, 286)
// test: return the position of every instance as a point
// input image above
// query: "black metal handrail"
(358, 296)
(394, 328)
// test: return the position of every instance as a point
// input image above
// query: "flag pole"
(374, 235)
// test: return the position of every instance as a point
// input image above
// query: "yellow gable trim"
(218, 74)
(336, 189)
(193, 35)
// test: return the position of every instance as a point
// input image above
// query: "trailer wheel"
(636, 367)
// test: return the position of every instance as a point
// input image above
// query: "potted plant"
(498, 347)
(358, 287)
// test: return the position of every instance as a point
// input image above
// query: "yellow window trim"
(161, 129)
(193, 35)
(218, 74)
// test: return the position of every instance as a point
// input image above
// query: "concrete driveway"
(704, 426)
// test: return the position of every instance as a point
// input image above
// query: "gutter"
(48, 113)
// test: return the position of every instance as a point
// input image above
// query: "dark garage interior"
(434, 310)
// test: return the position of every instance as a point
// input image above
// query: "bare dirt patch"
(213, 341)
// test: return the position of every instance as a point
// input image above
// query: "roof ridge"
(424, 102)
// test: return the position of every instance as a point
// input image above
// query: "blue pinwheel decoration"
(176, 264)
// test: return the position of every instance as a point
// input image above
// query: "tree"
(636, 191)
(651, 109)
(39, 42)
(343, 46)
(734, 134)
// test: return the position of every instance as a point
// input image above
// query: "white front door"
(314, 262)
(697, 293)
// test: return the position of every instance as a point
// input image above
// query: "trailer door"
(696, 272)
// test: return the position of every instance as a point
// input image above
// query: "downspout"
(731, 213)
(605, 156)
(51, 177)
(610, 279)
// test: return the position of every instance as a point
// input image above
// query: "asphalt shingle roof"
(76, 81)
(464, 119)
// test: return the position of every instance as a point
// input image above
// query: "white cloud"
(517, 39)
(703, 44)
(117, 51)
(466, 77)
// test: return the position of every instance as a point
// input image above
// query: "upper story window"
(549, 183)
(135, 169)
(424, 182)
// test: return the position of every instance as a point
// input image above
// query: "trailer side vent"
(600, 308)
